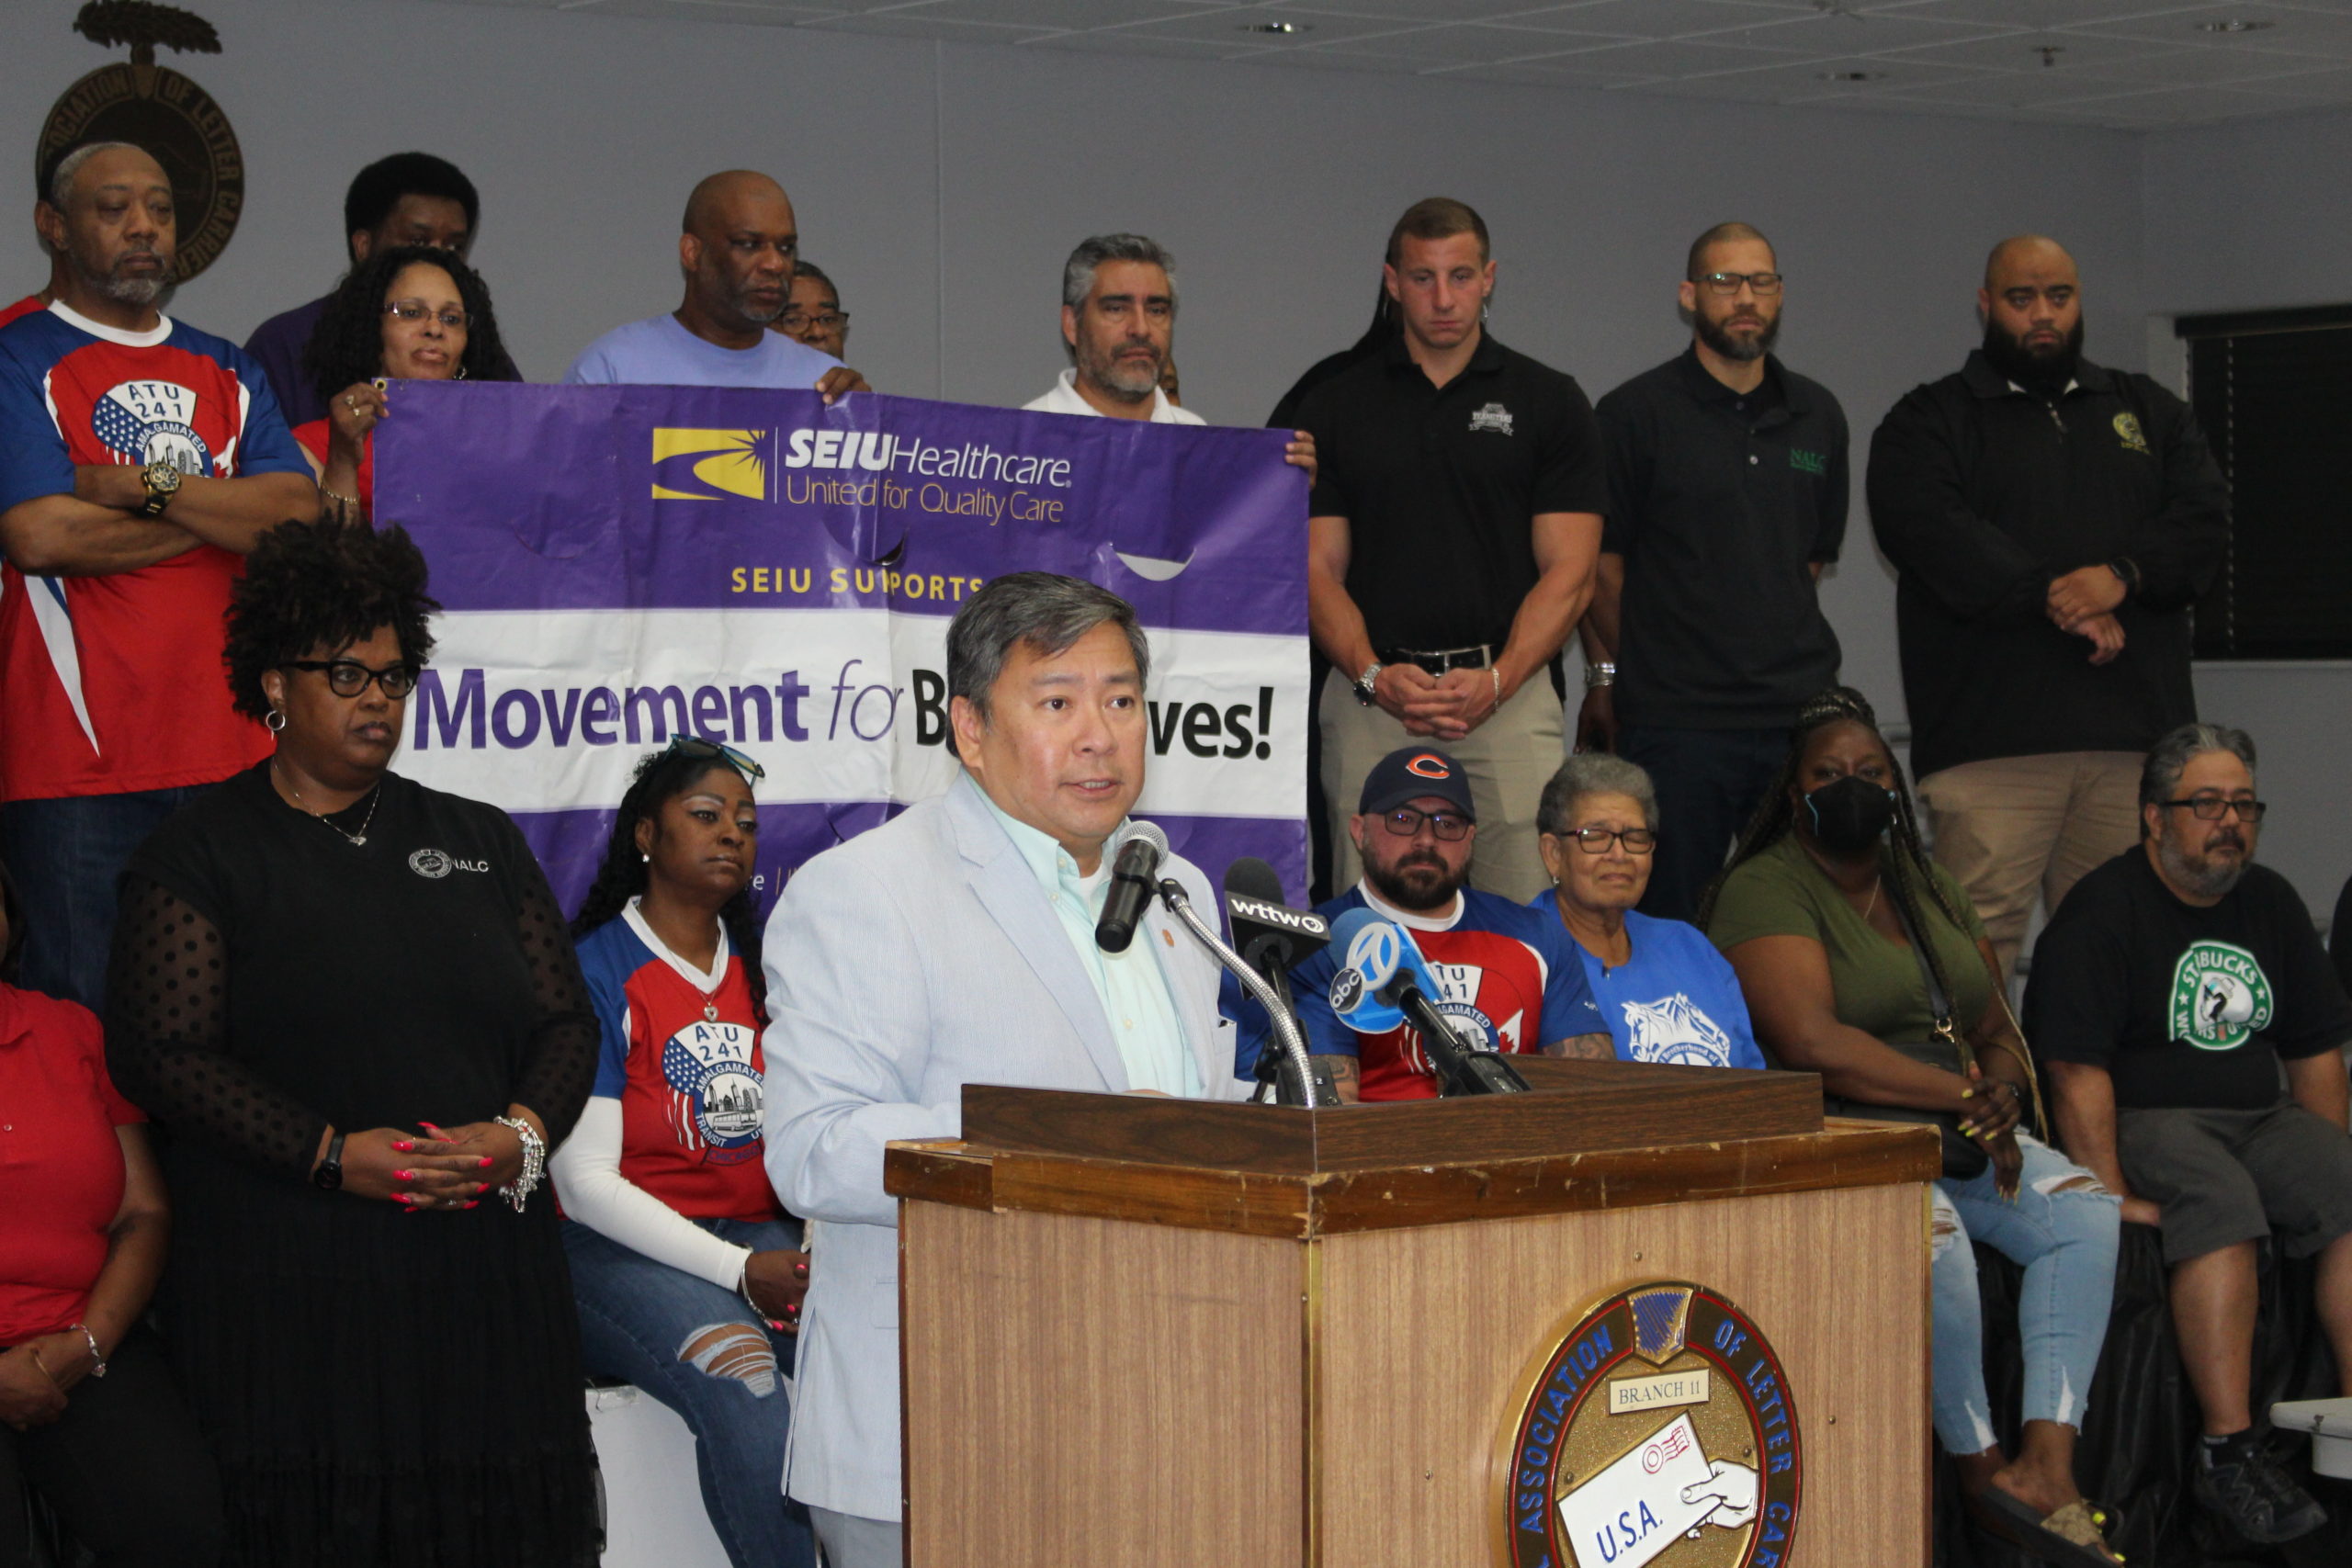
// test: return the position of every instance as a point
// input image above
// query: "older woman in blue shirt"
(1667, 995)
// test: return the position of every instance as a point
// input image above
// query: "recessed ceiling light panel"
(1280, 29)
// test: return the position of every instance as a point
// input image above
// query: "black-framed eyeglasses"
(827, 319)
(2213, 807)
(1596, 840)
(348, 677)
(695, 746)
(1406, 821)
(1727, 283)
(417, 310)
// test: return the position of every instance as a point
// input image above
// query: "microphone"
(1273, 938)
(1135, 877)
(1383, 980)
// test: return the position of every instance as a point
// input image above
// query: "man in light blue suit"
(954, 945)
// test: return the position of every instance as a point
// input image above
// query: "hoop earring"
(276, 721)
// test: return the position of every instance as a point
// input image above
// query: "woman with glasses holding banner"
(353, 1001)
(407, 314)
(688, 1272)
(1667, 995)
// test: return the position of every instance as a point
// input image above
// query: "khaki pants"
(2011, 828)
(1507, 759)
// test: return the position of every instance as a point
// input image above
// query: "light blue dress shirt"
(1133, 990)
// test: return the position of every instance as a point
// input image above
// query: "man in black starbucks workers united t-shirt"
(2193, 1032)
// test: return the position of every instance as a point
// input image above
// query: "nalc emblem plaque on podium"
(1657, 1428)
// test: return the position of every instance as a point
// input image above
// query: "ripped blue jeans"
(699, 1350)
(2061, 1228)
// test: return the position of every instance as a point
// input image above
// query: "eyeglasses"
(417, 310)
(1596, 840)
(348, 677)
(2213, 807)
(694, 746)
(1406, 821)
(827, 319)
(1727, 283)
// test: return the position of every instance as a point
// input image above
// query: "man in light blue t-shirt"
(740, 242)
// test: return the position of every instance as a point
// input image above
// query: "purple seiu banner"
(620, 564)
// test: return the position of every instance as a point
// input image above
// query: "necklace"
(1872, 908)
(376, 798)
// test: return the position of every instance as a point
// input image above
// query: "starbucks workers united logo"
(2221, 997)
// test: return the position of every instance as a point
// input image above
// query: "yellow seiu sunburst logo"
(2127, 430)
(705, 465)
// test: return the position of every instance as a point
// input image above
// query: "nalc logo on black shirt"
(2221, 997)
(1492, 416)
(436, 864)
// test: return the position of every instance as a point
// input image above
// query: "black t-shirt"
(1720, 502)
(2186, 1006)
(1440, 485)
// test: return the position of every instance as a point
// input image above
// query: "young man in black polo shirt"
(2171, 991)
(1726, 497)
(2051, 522)
(1450, 546)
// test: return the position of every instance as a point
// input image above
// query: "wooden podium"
(1139, 1331)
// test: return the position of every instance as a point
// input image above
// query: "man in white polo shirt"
(1119, 329)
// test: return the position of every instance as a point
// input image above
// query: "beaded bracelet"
(535, 1161)
(97, 1358)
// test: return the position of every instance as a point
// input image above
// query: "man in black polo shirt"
(2051, 522)
(1450, 546)
(1726, 497)
(2176, 988)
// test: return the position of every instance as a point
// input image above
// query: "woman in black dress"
(352, 1001)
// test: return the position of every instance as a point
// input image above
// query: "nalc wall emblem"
(1659, 1429)
(158, 110)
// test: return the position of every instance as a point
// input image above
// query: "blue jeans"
(2065, 1237)
(637, 1319)
(1708, 782)
(65, 855)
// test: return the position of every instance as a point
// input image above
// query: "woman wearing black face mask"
(1862, 960)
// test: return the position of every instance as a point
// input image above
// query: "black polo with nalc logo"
(1720, 503)
(1441, 486)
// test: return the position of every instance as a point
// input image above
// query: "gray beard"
(1134, 385)
(2208, 881)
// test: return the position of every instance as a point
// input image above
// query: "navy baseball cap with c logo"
(1406, 775)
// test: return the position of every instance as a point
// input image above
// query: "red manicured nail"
(482, 1163)
(404, 1145)
(428, 1126)
(469, 1206)
(403, 1176)
(405, 1201)
(800, 1271)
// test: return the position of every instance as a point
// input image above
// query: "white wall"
(2253, 217)
(941, 186)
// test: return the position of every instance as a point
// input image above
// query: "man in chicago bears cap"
(1509, 976)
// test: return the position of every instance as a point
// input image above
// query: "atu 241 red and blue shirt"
(687, 1070)
(114, 682)
(1506, 974)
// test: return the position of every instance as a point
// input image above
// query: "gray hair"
(1077, 272)
(61, 178)
(1593, 773)
(2160, 775)
(1045, 610)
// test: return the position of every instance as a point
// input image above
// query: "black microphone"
(1135, 878)
(1273, 938)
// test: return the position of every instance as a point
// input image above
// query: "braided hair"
(662, 777)
(347, 345)
(1904, 868)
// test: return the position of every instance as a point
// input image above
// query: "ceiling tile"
(1551, 73)
(1799, 80)
(2288, 29)
(1395, 12)
(1461, 45)
(2023, 51)
(1236, 27)
(2028, 14)
(1673, 58)
(900, 24)
(1651, 18)
(1126, 41)
(749, 13)
(1073, 13)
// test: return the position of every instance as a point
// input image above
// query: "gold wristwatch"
(162, 482)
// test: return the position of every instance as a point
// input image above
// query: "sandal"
(2072, 1536)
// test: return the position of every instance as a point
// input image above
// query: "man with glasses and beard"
(739, 245)
(2176, 989)
(1511, 979)
(1727, 497)
(140, 461)
(2051, 522)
